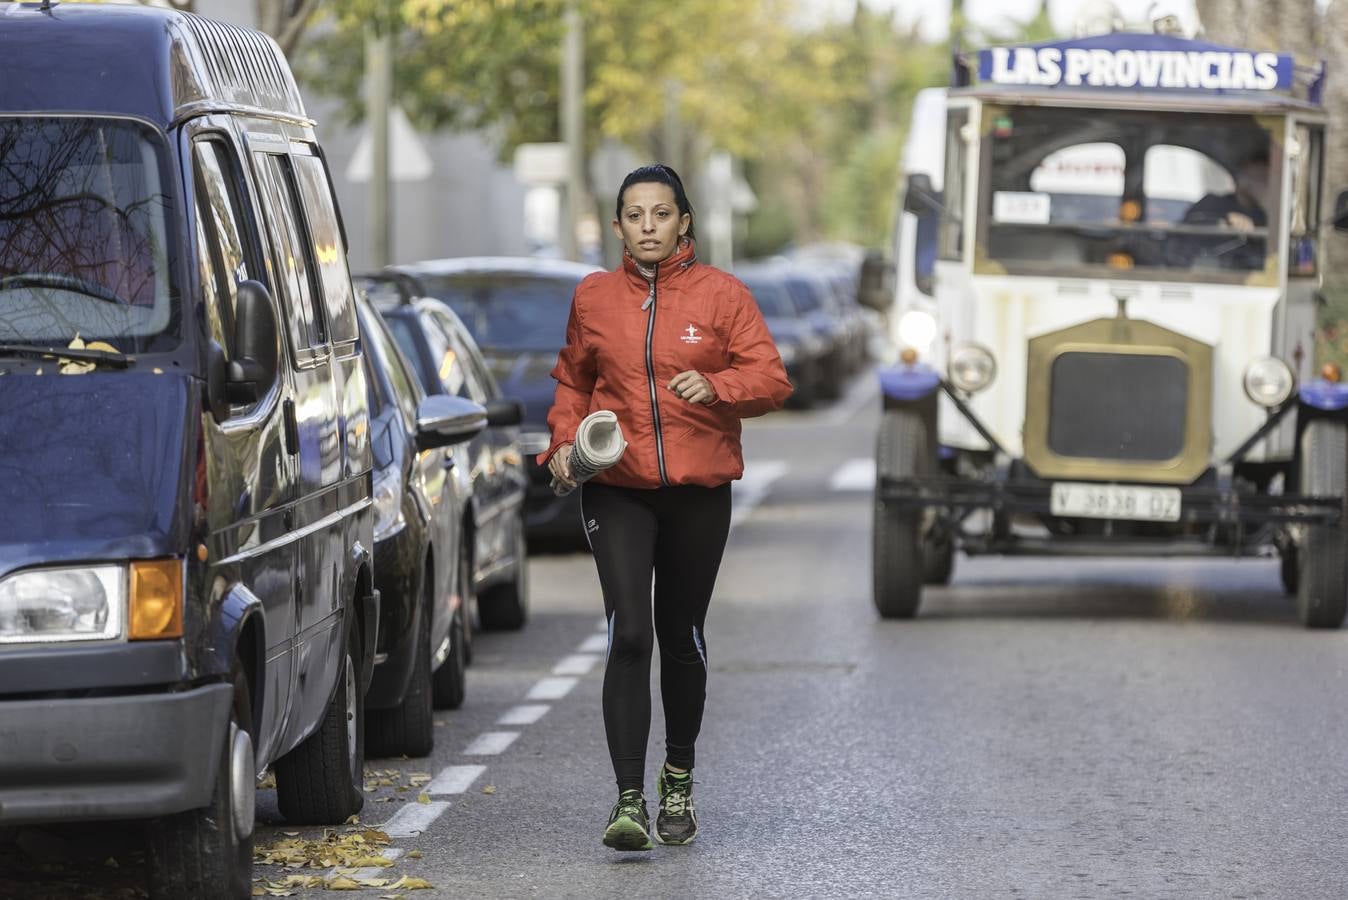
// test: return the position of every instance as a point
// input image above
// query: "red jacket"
(627, 338)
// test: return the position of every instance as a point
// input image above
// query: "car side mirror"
(504, 413)
(253, 368)
(443, 420)
(919, 197)
(1341, 213)
(875, 287)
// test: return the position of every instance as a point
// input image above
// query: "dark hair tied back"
(659, 174)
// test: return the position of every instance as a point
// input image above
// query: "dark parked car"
(516, 310)
(186, 585)
(802, 350)
(446, 361)
(814, 301)
(422, 562)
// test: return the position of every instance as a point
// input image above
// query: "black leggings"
(679, 533)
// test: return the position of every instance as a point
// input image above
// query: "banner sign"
(1136, 62)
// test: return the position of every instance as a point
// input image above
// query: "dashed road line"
(576, 664)
(525, 714)
(490, 743)
(597, 643)
(854, 475)
(551, 689)
(414, 818)
(454, 780)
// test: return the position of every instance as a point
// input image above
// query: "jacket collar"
(673, 268)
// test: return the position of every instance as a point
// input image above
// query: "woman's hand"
(560, 467)
(693, 387)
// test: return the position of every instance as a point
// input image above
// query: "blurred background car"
(516, 311)
(445, 360)
(420, 563)
(802, 350)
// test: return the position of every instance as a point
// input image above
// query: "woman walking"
(679, 351)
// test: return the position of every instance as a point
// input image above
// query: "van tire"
(199, 853)
(897, 557)
(320, 782)
(408, 729)
(1322, 558)
(505, 607)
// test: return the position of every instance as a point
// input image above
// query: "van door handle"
(292, 428)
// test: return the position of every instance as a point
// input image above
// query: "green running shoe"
(676, 822)
(629, 828)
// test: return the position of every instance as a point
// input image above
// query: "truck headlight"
(533, 443)
(972, 367)
(87, 603)
(917, 329)
(388, 504)
(1269, 381)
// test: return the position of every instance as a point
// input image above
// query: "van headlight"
(388, 504)
(1269, 381)
(87, 603)
(972, 367)
(917, 329)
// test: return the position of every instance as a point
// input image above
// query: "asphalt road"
(1046, 728)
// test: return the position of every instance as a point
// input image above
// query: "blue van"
(186, 595)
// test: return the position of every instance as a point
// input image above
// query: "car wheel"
(408, 729)
(1322, 582)
(898, 569)
(451, 679)
(320, 782)
(208, 852)
(505, 607)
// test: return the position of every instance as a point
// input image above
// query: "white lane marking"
(862, 393)
(595, 643)
(392, 853)
(454, 780)
(576, 664)
(854, 475)
(750, 490)
(491, 743)
(414, 818)
(527, 714)
(551, 689)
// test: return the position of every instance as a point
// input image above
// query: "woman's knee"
(629, 640)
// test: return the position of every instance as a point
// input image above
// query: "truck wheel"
(902, 450)
(208, 852)
(505, 607)
(408, 728)
(1322, 557)
(321, 781)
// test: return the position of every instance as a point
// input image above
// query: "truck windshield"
(84, 241)
(1073, 191)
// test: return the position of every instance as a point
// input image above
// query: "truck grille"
(1121, 406)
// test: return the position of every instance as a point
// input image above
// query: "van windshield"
(1065, 191)
(84, 240)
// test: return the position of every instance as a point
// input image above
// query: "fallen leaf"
(408, 883)
(354, 820)
(341, 883)
(489, 789)
(415, 854)
(423, 798)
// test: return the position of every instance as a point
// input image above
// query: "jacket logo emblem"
(690, 335)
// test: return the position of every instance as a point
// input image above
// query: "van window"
(225, 245)
(326, 237)
(85, 207)
(953, 185)
(294, 264)
(1307, 171)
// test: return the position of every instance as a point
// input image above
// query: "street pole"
(573, 126)
(379, 87)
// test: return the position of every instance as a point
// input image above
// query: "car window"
(481, 386)
(221, 216)
(508, 310)
(329, 250)
(406, 391)
(772, 298)
(293, 263)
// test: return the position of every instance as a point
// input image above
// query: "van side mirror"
(253, 368)
(443, 420)
(1341, 213)
(504, 413)
(919, 197)
(875, 287)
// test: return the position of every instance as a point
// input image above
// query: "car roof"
(158, 65)
(515, 265)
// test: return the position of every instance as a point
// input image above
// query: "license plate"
(1112, 501)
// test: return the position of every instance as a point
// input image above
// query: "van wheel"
(1322, 557)
(408, 728)
(505, 607)
(320, 782)
(897, 558)
(208, 852)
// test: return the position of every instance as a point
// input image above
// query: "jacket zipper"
(650, 378)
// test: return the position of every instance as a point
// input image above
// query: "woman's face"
(650, 225)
